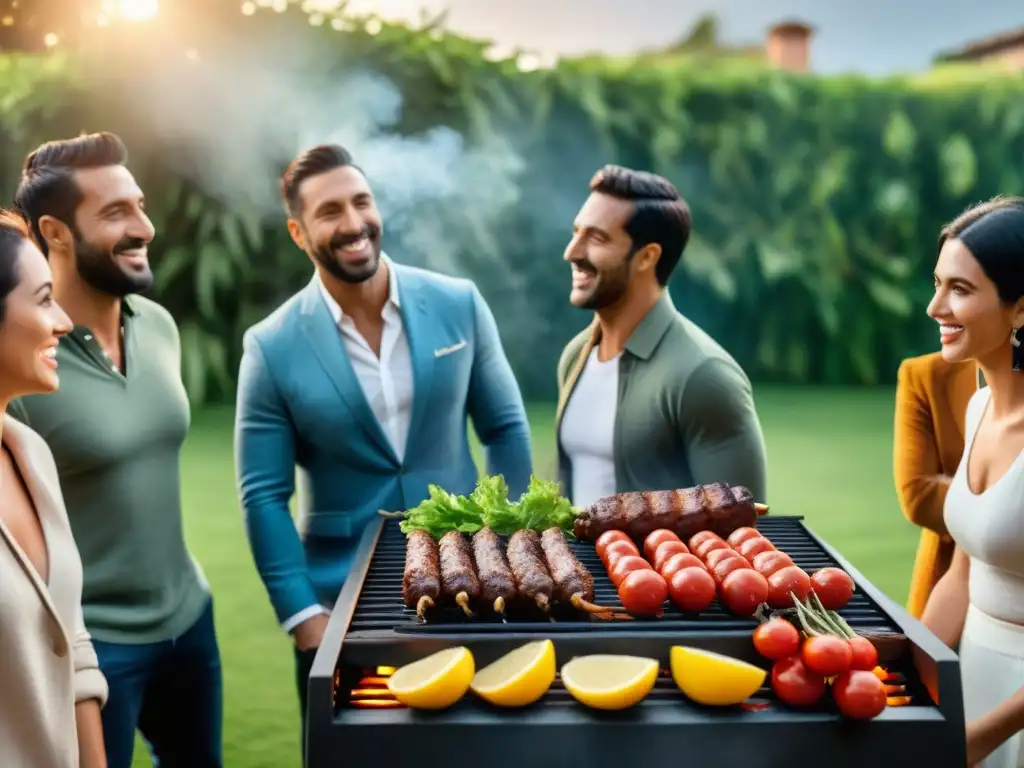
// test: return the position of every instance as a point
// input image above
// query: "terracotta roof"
(987, 45)
(791, 25)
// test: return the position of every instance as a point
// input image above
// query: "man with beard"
(648, 401)
(116, 427)
(364, 381)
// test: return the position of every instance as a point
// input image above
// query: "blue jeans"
(171, 692)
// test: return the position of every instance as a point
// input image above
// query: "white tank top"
(989, 528)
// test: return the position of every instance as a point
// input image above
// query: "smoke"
(234, 117)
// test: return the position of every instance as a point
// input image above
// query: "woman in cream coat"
(51, 688)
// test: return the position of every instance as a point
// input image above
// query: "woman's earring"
(1018, 350)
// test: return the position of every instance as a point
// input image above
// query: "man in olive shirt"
(647, 400)
(116, 427)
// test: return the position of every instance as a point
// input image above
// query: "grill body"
(371, 628)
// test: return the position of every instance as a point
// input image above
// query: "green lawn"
(830, 459)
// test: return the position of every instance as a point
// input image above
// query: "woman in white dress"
(978, 605)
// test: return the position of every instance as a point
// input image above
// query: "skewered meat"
(497, 585)
(712, 507)
(525, 556)
(573, 583)
(459, 581)
(421, 581)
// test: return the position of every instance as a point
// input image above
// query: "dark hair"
(48, 186)
(993, 232)
(314, 161)
(660, 214)
(14, 232)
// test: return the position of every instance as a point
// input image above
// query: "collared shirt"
(116, 439)
(387, 381)
(684, 413)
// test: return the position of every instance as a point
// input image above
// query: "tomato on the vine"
(865, 655)
(827, 655)
(833, 586)
(795, 684)
(859, 694)
(776, 639)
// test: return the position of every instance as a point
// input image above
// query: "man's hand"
(310, 633)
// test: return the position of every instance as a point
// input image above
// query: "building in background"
(1005, 50)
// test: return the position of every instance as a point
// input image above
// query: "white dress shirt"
(387, 381)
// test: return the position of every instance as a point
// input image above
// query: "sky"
(875, 37)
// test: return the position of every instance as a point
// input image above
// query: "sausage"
(421, 581)
(459, 581)
(526, 558)
(497, 584)
(684, 511)
(573, 583)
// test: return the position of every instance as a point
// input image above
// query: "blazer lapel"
(45, 506)
(421, 335)
(325, 338)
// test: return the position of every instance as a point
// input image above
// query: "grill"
(352, 720)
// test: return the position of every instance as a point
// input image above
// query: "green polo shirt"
(117, 441)
(685, 411)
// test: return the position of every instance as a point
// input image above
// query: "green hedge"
(816, 201)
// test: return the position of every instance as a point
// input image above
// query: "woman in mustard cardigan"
(931, 404)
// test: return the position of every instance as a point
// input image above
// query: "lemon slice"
(712, 679)
(609, 682)
(434, 682)
(518, 678)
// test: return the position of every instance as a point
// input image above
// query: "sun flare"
(138, 10)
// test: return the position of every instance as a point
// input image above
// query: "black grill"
(370, 628)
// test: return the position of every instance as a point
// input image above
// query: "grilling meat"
(573, 583)
(526, 557)
(497, 585)
(421, 582)
(713, 507)
(459, 581)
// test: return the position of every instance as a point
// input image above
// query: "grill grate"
(380, 607)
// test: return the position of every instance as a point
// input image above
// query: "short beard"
(99, 269)
(324, 256)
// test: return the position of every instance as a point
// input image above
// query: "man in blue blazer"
(363, 381)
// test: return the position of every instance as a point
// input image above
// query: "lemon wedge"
(712, 679)
(434, 682)
(518, 678)
(609, 682)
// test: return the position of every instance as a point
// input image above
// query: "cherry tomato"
(776, 639)
(833, 586)
(753, 547)
(859, 694)
(865, 655)
(740, 535)
(678, 562)
(716, 556)
(827, 655)
(795, 684)
(725, 567)
(691, 589)
(625, 565)
(617, 549)
(786, 580)
(665, 550)
(699, 538)
(655, 539)
(643, 592)
(707, 546)
(743, 591)
(767, 563)
(608, 537)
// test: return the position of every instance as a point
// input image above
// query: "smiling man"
(648, 401)
(363, 380)
(116, 428)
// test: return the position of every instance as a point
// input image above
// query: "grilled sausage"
(526, 558)
(715, 507)
(421, 581)
(573, 583)
(497, 585)
(459, 581)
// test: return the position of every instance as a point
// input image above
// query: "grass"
(830, 459)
